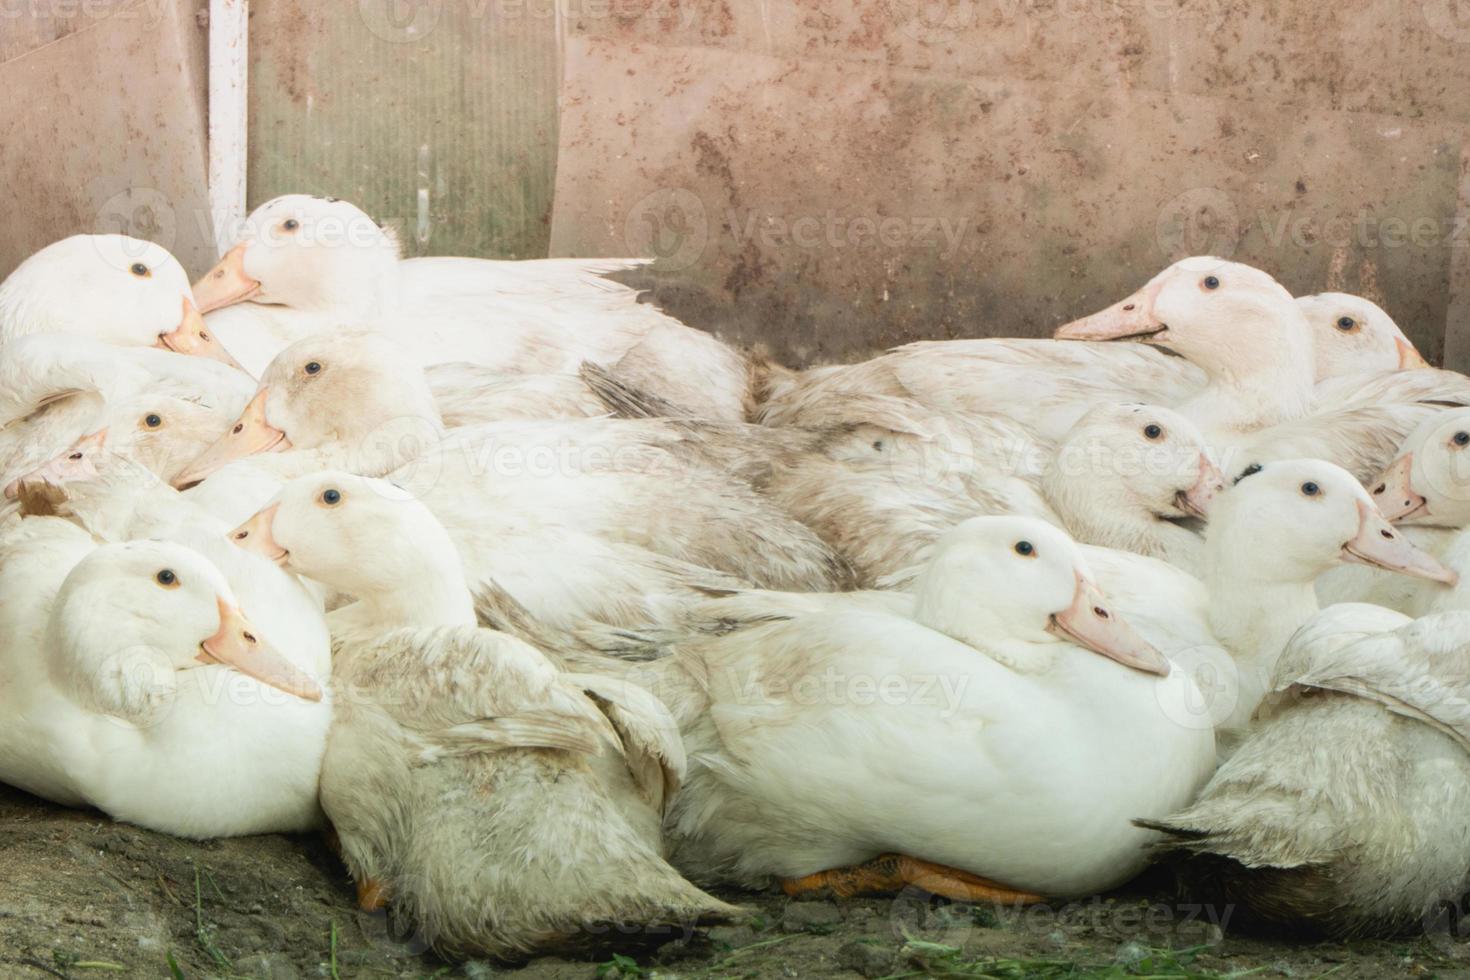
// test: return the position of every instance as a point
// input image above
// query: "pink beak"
(1379, 545)
(236, 645)
(1132, 319)
(1089, 623)
(256, 535)
(249, 436)
(1200, 497)
(226, 283)
(74, 464)
(1394, 492)
(191, 337)
(1409, 357)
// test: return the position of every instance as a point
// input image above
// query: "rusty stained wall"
(102, 126)
(832, 177)
(437, 117)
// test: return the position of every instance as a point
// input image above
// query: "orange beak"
(255, 535)
(1379, 545)
(74, 464)
(1409, 357)
(1198, 499)
(190, 337)
(1394, 492)
(236, 645)
(249, 436)
(1132, 319)
(1089, 623)
(226, 283)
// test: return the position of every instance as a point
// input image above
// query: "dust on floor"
(85, 898)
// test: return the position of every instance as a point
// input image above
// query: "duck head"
(1353, 335)
(353, 389)
(158, 431)
(111, 288)
(308, 253)
(1135, 462)
(131, 617)
(1291, 520)
(1429, 481)
(365, 537)
(1015, 587)
(1227, 317)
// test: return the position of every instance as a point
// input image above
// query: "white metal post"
(229, 57)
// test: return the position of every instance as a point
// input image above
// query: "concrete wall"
(829, 177)
(836, 176)
(102, 115)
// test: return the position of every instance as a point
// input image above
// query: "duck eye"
(1152, 431)
(74, 457)
(290, 224)
(331, 497)
(140, 270)
(166, 578)
(1346, 323)
(1025, 549)
(313, 367)
(1311, 489)
(1462, 438)
(1211, 282)
(152, 420)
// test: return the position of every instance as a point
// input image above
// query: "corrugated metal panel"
(439, 117)
(102, 127)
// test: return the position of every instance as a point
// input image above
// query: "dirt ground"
(84, 897)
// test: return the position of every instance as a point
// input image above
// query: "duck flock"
(556, 611)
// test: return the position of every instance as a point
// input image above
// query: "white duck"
(358, 407)
(135, 684)
(305, 264)
(1353, 335)
(55, 388)
(1253, 341)
(1344, 811)
(1048, 387)
(117, 500)
(1011, 650)
(1426, 491)
(111, 288)
(466, 773)
(1268, 540)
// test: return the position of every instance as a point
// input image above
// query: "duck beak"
(190, 337)
(251, 435)
(74, 464)
(1394, 493)
(1409, 357)
(226, 283)
(256, 535)
(236, 645)
(1199, 498)
(1132, 319)
(1089, 623)
(1379, 545)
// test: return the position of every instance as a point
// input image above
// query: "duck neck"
(1249, 392)
(948, 610)
(422, 584)
(1254, 614)
(1110, 517)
